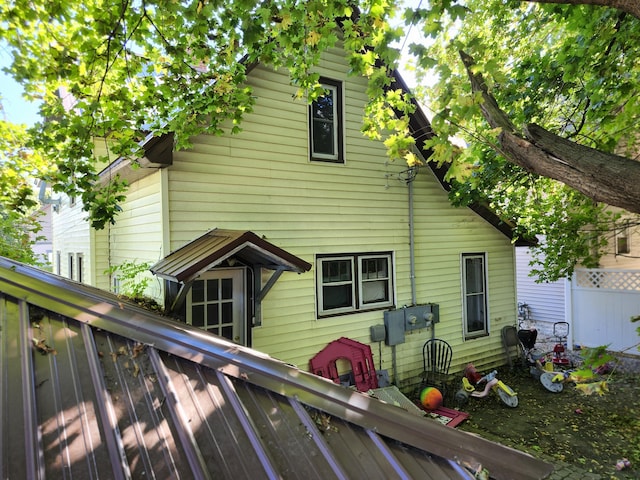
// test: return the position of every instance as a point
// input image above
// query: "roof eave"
(158, 153)
(421, 131)
(241, 241)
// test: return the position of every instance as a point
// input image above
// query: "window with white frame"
(71, 267)
(474, 290)
(354, 282)
(325, 124)
(80, 267)
(622, 240)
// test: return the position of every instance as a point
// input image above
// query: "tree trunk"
(602, 176)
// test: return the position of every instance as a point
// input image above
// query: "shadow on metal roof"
(95, 387)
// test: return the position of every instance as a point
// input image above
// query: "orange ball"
(431, 398)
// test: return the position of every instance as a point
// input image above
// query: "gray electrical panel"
(435, 310)
(378, 333)
(394, 326)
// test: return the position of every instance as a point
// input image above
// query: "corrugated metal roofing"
(93, 387)
(218, 245)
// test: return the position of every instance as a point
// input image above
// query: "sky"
(15, 108)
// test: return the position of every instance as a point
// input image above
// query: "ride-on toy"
(545, 366)
(472, 381)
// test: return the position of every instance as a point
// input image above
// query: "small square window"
(325, 124)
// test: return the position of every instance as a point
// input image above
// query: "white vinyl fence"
(602, 303)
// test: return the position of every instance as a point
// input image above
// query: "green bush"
(133, 282)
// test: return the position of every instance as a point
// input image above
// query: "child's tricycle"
(472, 382)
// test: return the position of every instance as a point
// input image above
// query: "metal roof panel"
(94, 387)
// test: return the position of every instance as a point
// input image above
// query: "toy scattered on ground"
(588, 379)
(431, 398)
(560, 358)
(622, 464)
(553, 368)
(472, 381)
(584, 387)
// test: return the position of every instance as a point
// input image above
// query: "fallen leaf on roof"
(42, 347)
(137, 349)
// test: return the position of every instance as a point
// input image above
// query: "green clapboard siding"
(137, 233)
(261, 180)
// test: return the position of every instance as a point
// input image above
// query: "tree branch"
(631, 7)
(602, 176)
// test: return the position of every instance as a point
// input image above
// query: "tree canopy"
(542, 92)
(19, 225)
(533, 88)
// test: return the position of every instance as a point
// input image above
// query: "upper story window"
(354, 282)
(622, 240)
(474, 294)
(326, 124)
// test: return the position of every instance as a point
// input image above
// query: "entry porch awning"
(217, 246)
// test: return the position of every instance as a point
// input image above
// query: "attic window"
(326, 124)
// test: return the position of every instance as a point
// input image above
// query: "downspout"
(411, 174)
(412, 262)
(44, 199)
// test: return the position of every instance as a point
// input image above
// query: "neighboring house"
(301, 190)
(42, 246)
(598, 303)
(547, 302)
(94, 387)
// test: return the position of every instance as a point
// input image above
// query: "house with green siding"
(298, 231)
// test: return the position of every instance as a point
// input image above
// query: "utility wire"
(406, 35)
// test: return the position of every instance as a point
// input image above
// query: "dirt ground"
(592, 432)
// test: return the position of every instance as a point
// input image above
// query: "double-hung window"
(71, 265)
(354, 282)
(622, 240)
(80, 267)
(325, 124)
(474, 290)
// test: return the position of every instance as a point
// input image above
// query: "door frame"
(241, 330)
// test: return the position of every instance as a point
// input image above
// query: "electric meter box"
(421, 316)
(394, 326)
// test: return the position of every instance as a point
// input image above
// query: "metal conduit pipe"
(412, 262)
